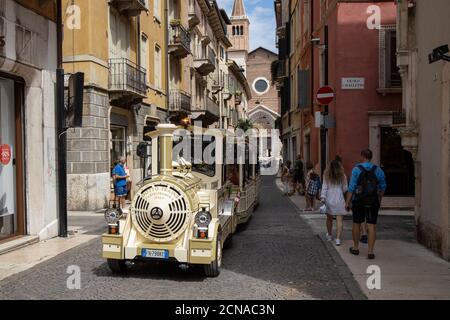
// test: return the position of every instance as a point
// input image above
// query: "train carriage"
(186, 210)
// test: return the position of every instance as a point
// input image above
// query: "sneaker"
(338, 242)
(364, 239)
(329, 237)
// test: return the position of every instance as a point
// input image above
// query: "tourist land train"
(183, 212)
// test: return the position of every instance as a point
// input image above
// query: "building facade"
(122, 53)
(338, 44)
(238, 93)
(263, 110)
(135, 79)
(426, 105)
(209, 44)
(28, 143)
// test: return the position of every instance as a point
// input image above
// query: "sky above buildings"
(262, 21)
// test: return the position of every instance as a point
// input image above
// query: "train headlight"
(203, 219)
(113, 215)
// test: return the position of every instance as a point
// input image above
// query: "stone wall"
(88, 155)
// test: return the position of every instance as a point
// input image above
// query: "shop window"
(12, 211)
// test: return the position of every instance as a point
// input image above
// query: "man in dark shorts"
(120, 181)
(366, 189)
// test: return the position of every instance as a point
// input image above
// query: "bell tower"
(239, 34)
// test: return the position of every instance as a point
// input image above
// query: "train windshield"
(200, 151)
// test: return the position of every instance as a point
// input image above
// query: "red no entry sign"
(5, 154)
(325, 95)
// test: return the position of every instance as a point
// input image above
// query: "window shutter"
(303, 89)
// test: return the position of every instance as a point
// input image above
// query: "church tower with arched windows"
(239, 34)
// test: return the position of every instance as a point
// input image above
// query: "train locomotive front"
(170, 219)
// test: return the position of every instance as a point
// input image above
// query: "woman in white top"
(334, 187)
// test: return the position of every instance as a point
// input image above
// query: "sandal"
(371, 256)
(354, 252)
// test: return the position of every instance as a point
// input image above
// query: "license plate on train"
(155, 254)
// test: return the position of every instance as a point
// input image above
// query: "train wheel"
(213, 270)
(117, 266)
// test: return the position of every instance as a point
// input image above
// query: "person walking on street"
(334, 187)
(286, 178)
(365, 192)
(312, 186)
(364, 238)
(299, 176)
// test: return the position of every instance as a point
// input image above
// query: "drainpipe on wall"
(324, 130)
(60, 134)
(166, 55)
(139, 61)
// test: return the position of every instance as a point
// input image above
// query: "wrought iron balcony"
(179, 40)
(129, 8)
(278, 69)
(195, 14)
(179, 102)
(204, 60)
(208, 113)
(218, 82)
(127, 82)
(212, 107)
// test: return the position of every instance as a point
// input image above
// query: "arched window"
(242, 30)
(234, 30)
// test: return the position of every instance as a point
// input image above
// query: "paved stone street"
(277, 256)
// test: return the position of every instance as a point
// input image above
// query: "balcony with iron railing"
(278, 70)
(195, 14)
(179, 40)
(218, 82)
(208, 113)
(212, 107)
(179, 102)
(130, 8)
(204, 60)
(127, 81)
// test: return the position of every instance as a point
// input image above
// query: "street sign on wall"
(353, 84)
(325, 95)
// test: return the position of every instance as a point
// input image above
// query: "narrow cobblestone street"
(276, 256)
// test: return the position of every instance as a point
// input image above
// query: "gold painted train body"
(184, 213)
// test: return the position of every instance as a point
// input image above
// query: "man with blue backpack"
(366, 189)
